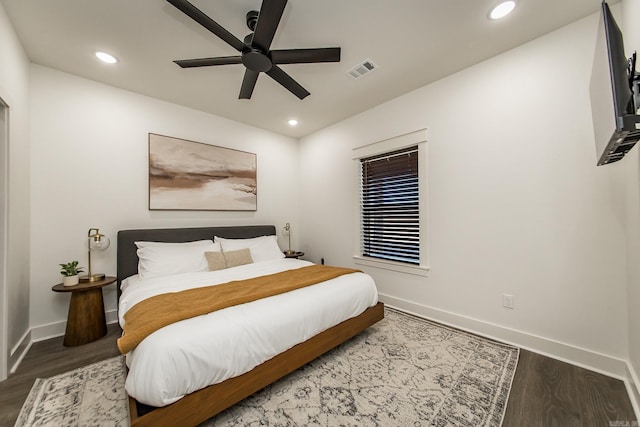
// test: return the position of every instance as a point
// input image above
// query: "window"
(390, 206)
(392, 219)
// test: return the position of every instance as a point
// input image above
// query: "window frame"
(418, 138)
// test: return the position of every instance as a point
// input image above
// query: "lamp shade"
(96, 242)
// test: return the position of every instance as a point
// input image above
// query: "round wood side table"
(86, 321)
(297, 254)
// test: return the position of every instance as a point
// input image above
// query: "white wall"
(631, 163)
(89, 169)
(14, 90)
(516, 203)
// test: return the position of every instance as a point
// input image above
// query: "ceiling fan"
(255, 53)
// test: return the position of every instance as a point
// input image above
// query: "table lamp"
(96, 242)
(287, 229)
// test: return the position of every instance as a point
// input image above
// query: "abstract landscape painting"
(187, 175)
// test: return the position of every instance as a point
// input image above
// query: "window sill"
(418, 270)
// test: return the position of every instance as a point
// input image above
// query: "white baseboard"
(632, 384)
(56, 329)
(594, 361)
(19, 351)
(44, 332)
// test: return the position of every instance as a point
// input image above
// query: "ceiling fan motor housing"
(255, 60)
(252, 19)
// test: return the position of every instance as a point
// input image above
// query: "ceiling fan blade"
(197, 15)
(206, 62)
(301, 56)
(277, 74)
(268, 20)
(248, 83)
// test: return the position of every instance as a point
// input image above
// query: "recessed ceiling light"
(105, 57)
(502, 10)
(292, 122)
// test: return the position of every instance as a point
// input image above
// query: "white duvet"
(194, 353)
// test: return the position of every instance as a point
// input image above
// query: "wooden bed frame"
(201, 405)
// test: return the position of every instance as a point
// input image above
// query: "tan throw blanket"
(159, 311)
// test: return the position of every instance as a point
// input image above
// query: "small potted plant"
(70, 273)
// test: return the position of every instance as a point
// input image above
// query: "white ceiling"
(414, 42)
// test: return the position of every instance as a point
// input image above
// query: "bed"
(201, 404)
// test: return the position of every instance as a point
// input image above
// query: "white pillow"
(264, 248)
(161, 259)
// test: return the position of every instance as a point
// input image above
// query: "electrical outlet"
(507, 301)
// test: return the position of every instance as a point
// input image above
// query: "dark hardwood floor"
(545, 391)
(550, 393)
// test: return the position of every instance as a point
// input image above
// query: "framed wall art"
(188, 175)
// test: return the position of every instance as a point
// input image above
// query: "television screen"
(616, 125)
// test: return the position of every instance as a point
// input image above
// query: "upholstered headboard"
(127, 262)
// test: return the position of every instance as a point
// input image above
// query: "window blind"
(390, 206)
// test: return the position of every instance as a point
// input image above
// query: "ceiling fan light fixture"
(106, 58)
(502, 10)
(292, 122)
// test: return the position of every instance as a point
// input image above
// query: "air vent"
(361, 69)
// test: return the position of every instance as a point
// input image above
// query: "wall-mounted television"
(615, 93)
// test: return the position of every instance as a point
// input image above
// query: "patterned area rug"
(93, 395)
(403, 371)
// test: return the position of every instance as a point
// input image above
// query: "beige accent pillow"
(239, 257)
(215, 260)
